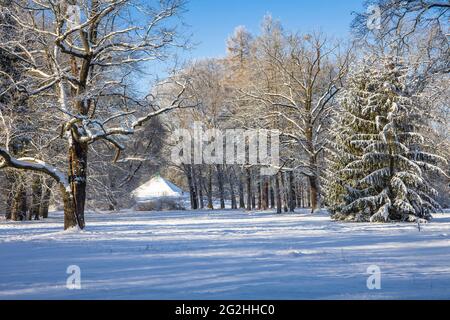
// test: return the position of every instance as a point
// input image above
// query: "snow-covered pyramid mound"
(157, 188)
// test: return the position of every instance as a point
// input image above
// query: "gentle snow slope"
(223, 255)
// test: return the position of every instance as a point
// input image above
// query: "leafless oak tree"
(82, 53)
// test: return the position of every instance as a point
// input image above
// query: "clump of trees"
(358, 143)
(276, 81)
(356, 120)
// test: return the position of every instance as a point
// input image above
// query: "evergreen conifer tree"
(379, 164)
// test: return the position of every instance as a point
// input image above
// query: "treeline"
(27, 203)
(245, 189)
(362, 126)
(368, 148)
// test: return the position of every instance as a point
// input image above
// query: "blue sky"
(212, 21)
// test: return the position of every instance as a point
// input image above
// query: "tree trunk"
(249, 189)
(70, 219)
(113, 205)
(192, 195)
(200, 190)
(313, 178)
(209, 192)
(74, 216)
(259, 196)
(221, 186)
(241, 192)
(10, 196)
(253, 201)
(36, 198)
(291, 192)
(19, 206)
(45, 202)
(308, 197)
(112, 202)
(195, 186)
(313, 186)
(232, 194)
(272, 196)
(265, 194)
(299, 194)
(8, 207)
(284, 192)
(278, 192)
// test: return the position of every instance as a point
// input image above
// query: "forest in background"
(363, 123)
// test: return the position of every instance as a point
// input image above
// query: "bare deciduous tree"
(80, 58)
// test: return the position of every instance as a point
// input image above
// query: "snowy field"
(224, 255)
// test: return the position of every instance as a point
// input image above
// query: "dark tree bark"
(284, 192)
(314, 193)
(8, 208)
(19, 207)
(192, 194)
(253, 201)
(259, 195)
(299, 195)
(200, 190)
(308, 198)
(195, 186)
(291, 192)
(313, 178)
(272, 196)
(10, 195)
(209, 191)
(265, 194)
(112, 202)
(241, 192)
(249, 189)
(221, 186)
(70, 219)
(232, 193)
(113, 205)
(194, 189)
(278, 192)
(36, 198)
(74, 212)
(45, 202)
(66, 187)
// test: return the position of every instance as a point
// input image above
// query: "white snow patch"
(223, 255)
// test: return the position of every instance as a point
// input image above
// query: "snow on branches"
(386, 177)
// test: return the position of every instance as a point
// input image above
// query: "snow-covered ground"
(224, 255)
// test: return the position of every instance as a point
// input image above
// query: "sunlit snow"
(223, 255)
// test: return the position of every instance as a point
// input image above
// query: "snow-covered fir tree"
(348, 119)
(379, 164)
